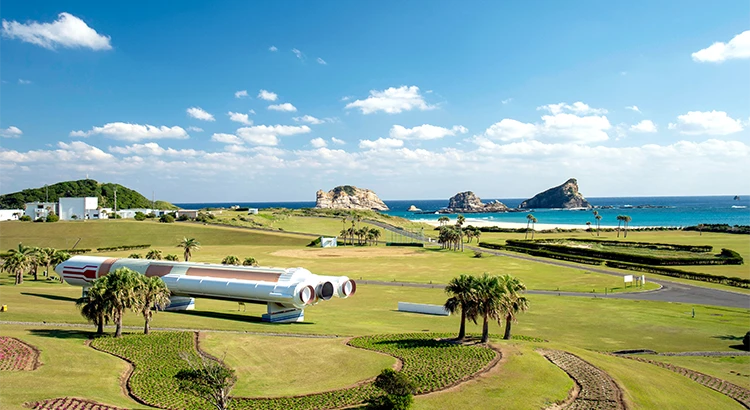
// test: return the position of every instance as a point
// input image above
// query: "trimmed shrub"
(414, 244)
(166, 218)
(139, 216)
(25, 218)
(678, 273)
(52, 217)
(122, 248)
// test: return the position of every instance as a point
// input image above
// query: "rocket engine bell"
(285, 291)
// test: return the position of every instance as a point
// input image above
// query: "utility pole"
(46, 193)
(115, 200)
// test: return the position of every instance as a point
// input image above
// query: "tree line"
(27, 260)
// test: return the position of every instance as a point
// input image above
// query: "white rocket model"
(286, 292)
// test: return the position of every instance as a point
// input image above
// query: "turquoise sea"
(644, 211)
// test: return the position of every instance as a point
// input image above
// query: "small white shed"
(328, 242)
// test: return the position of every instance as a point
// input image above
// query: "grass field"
(735, 369)
(524, 380)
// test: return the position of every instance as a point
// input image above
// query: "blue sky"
(410, 99)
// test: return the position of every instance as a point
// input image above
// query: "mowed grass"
(69, 368)
(272, 366)
(734, 369)
(522, 380)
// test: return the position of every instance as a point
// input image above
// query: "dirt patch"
(361, 252)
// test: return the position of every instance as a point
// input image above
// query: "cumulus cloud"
(241, 94)
(645, 126)
(575, 108)
(392, 101)
(153, 149)
(200, 114)
(506, 101)
(318, 142)
(509, 129)
(738, 47)
(425, 132)
(273, 48)
(381, 143)
(285, 107)
(240, 117)
(311, 120)
(267, 95)
(337, 141)
(634, 108)
(226, 138)
(195, 129)
(133, 132)
(67, 31)
(11, 132)
(269, 134)
(560, 126)
(706, 123)
(321, 61)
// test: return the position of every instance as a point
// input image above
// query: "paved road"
(669, 292)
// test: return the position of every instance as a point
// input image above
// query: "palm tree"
(443, 220)
(121, 293)
(171, 257)
(588, 228)
(35, 261)
(598, 223)
(512, 301)
(459, 223)
(462, 291)
(375, 233)
(230, 260)
(529, 217)
(533, 223)
(477, 233)
(343, 233)
(135, 256)
(45, 257)
(189, 245)
(488, 302)
(59, 257)
(20, 260)
(620, 218)
(250, 262)
(153, 295)
(154, 254)
(95, 307)
(626, 220)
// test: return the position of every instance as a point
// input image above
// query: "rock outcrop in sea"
(468, 202)
(413, 208)
(349, 197)
(563, 196)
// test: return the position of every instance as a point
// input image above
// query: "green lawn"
(735, 369)
(268, 366)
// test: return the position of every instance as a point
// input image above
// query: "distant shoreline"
(510, 225)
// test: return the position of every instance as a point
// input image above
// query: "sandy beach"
(509, 225)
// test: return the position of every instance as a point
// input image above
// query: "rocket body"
(284, 290)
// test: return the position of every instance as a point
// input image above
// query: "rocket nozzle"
(325, 290)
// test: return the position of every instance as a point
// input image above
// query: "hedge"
(723, 259)
(545, 254)
(721, 228)
(414, 244)
(75, 251)
(122, 248)
(647, 245)
(678, 273)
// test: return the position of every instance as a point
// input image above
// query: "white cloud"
(321, 61)
(234, 148)
(737, 47)
(153, 149)
(273, 48)
(381, 143)
(311, 120)
(298, 53)
(267, 95)
(634, 108)
(67, 31)
(337, 141)
(252, 112)
(240, 117)
(268, 134)
(506, 101)
(133, 132)
(195, 129)
(425, 132)
(509, 129)
(23, 82)
(706, 123)
(575, 108)
(392, 101)
(286, 107)
(346, 98)
(241, 94)
(11, 132)
(318, 142)
(199, 113)
(226, 138)
(646, 126)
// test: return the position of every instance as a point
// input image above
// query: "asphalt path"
(669, 292)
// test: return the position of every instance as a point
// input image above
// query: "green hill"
(126, 198)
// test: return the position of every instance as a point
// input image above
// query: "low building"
(328, 242)
(77, 208)
(36, 210)
(10, 214)
(252, 211)
(130, 213)
(190, 213)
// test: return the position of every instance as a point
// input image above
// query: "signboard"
(628, 278)
(643, 280)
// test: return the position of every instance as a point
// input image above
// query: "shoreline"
(508, 225)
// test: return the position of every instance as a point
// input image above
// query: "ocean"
(644, 211)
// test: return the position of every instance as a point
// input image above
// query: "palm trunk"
(46, 273)
(527, 230)
(146, 326)
(462, 329)
(626, 229)
(485, 330)
(35, 269)
(532, 231)
(19, 276)
(618, 229)
(506, 336)
(118, 324)
(100, 325)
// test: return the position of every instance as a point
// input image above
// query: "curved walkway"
(670, 291)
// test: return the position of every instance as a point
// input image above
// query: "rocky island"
(565, 196)
(349, 197)
(468, 202)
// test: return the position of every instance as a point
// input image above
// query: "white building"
(10, 214)
(36, 210)
(130, 213)
(77, 208)
(328, 242)
(252, 211)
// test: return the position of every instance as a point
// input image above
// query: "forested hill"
(126, 198)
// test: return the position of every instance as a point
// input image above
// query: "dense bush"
(24, 218)
(646, 245)
(122, 248)
(183, 217)
(166, 218)
(678, 273)
(76, 251)
(414, 244)
(139, 216)
(52, 217)
(721, 228)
